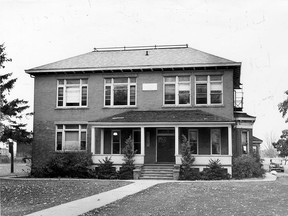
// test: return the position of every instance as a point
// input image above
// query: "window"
(137, 141)
(209, 89)
(216, 141)
(116, 141)
(71, 137)
(177, 90)
(120, 91)
(193, 141)
(72, 92)
(244, 142)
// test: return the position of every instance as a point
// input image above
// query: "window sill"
(209, 106)
(70, 108)
(120, 107)
(177, 106)
(69, 151)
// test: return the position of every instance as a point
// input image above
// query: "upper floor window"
(71, 137)
(177, 90)
(120, 91)
(209, 89)
(72, 92)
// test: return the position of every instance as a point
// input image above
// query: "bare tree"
(268, 149)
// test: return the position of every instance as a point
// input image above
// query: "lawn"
(20, 197)
(208, 198)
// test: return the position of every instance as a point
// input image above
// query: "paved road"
(19, 169)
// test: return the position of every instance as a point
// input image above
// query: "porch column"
(176, 140)
(93, 140)
(230, 140)
(102, 141)
(142, 141)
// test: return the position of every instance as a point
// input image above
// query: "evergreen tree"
(11, 111)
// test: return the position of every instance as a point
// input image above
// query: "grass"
(208, 198)
(20, 197)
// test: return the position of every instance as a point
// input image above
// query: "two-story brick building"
(95, 101)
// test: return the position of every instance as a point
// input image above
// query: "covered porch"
(159, 142)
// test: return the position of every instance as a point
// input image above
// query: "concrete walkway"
(84, 205)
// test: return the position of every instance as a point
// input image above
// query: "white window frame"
(119, 132)
(177, 83)
(220, 142)
(194, 130)
(247, 144)
(208, 83)
(65, 85)
(112, 85)
(63, 130)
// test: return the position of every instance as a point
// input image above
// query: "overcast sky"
(37, 32)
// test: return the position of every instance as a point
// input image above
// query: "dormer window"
(120, 92)
(72, 92)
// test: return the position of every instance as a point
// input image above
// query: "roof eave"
(136, 67)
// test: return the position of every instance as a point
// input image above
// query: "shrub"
(186, 173)
(70, 164)
(106, 169)
(214, 171)
(126, 171)
(247, 166)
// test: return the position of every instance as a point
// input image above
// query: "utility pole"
(11, 150)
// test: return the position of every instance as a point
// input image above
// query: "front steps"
(157, 171)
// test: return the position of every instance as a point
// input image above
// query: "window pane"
(59, 141)
(184, 78)
(133, 80)
(215, 139)
(169, 94)
(73, 81)
(193, 139)
(83, 141)
(61, 82)
(244, 141)
(216, 97)
(132, 95)
(84, 81)
(108, 95)
(71, 140)
(83, 127)
(84, 96)
(60, 96)
(71, 126)
(201, 94)
(116, 142)
(71, 136)
(108, 80)
(201, 78)
(137, 142)
(184, 97)
(216, 78)
(170, 79)
(120, 95)
(60, 126)
(120, 80)
(72, 96)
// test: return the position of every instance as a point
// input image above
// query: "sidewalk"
(84, 205)
(81, 206)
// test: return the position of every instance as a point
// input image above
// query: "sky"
(254, 32)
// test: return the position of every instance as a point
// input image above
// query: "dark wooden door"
(165, 149)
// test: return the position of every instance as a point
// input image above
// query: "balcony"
(238, 99)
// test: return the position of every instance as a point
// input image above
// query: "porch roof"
(164, 116)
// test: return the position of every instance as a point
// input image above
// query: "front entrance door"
(165, 148)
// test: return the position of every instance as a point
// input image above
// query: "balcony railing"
(238, 99)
